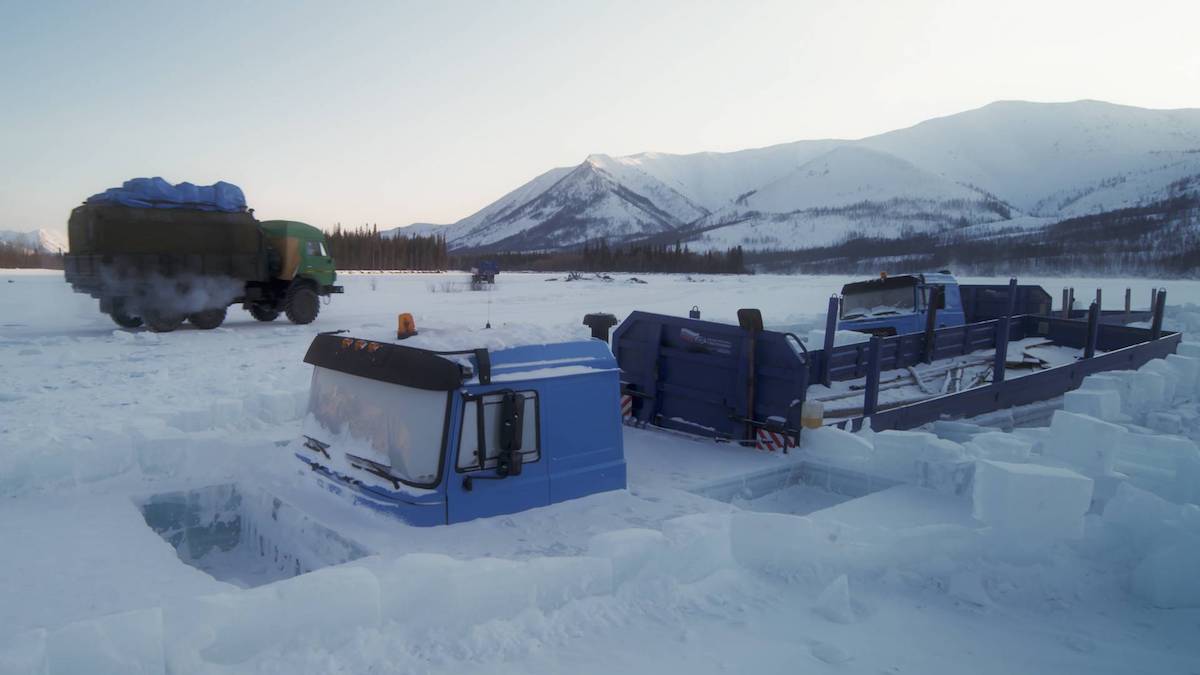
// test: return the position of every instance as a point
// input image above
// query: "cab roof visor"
(395, 364)
(898, 281)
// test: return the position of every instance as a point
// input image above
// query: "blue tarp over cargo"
(156, 193)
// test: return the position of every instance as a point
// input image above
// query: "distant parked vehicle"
(160, 254)
(484, 273)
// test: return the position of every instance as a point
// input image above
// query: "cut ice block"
(897, 453)
(1104, 404)
(1188, 368)
(130, 642)
(1164, 422)
(1171, 378)
(1087, 443)
(1000, 446)
(229, 628)
(630, 550)
(1156, 450)
(1030, 501)
(1167, 577)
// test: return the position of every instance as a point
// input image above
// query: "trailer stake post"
(871, 393)
(1066, 303)
(1093, 330)
(1128, 302)
(830, 330)
(1003, 326)
(1160, 306)
(1099, 304)
(931, 308)
(1001, 358)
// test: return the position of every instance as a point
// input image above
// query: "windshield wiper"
(853, 315)
(382, 470)
(313, 444)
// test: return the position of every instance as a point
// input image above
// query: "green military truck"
(190, 260)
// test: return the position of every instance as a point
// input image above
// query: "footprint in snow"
(829, 653)
(1079, 643)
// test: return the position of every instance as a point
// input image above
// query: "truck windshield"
(875, 302)
(388, 424)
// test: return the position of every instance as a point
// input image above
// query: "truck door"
(478, 486)
(953, 311)
(317, 263)
(944, 298)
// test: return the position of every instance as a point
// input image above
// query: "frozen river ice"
(95, 421)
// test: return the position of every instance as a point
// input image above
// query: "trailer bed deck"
(844, 398)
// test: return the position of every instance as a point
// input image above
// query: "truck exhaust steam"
(181, 295)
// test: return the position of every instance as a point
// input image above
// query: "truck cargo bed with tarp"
(158, 254)
(113, 244)
(156, 193)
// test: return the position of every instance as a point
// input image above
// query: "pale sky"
(397, 112)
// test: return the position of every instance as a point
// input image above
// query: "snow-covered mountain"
(1007, 164)
(601, 197)
(39, 241)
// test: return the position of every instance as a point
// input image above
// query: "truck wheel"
(263, 313)
(162, 322)
(301, 304)
(124, 320)
(208, 319)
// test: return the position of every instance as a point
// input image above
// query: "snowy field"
(681, 573)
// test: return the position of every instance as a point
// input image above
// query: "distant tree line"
(363, 248)
(1156, 239)
(599, 256)
(13, 256)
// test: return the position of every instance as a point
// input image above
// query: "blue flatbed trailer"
(744, 384)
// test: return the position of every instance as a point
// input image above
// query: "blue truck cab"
(895, 305)
(435, 438)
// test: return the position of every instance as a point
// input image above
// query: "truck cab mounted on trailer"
(900, 304)
(894, 305)
(434, 438)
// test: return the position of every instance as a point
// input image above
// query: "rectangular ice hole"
(243, 535)
(799, 489)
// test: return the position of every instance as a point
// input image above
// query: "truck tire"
(263, 313)
(207, 319)
(301, 304)
(163, 322)
(124, 320)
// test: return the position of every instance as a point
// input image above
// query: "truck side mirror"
(512, 432)
(510, 464)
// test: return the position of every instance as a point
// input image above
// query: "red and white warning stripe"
(626, 408)
(772, 441)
